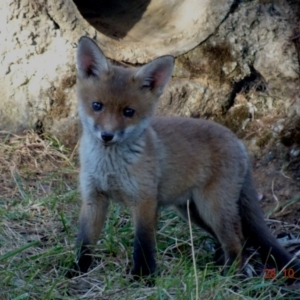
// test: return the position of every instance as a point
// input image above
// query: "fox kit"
(130, 156)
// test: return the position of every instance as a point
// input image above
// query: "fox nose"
(106, 136)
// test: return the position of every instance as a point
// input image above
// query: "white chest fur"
(109, 169)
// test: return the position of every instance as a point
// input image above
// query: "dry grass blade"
(193, 250)
(25, 155)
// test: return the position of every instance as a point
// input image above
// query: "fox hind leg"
(194, 215)
(222, 213)
(197, 220)
(221, 219)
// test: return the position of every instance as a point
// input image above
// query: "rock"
(137, 31)
(237, 62)
(37, 59)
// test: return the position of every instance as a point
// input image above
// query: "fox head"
(116, 103)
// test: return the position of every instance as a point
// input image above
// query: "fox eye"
(97, 106)
(128, 112)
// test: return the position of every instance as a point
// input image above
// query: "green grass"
(39, 208)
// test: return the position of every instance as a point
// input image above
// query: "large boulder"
(237, 62)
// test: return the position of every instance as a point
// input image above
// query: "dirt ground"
(277, 183)
(277, 179)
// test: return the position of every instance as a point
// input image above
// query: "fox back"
(128, 155)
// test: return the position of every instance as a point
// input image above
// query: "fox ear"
(155, 75)
(90, 59)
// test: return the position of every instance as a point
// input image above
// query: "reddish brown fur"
(112, 91)
(148, 162)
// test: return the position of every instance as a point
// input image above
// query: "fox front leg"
(91, 221)
(145, 218)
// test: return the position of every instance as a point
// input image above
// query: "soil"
(277, 178)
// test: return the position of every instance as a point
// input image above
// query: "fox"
(129, 155)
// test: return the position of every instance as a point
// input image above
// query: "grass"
(39, 207)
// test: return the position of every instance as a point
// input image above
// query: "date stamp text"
(272, 273)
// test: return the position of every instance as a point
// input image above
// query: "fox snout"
(106, 136)
(109, 136)
(106, 131)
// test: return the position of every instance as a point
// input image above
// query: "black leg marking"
(143, 255)
(84, 260)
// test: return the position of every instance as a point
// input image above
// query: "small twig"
(18, 182)
(74, 151)
(275, 197)
(239, 296)
(167, 224)
(283, 174)
(295, 37)
(167, 293)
